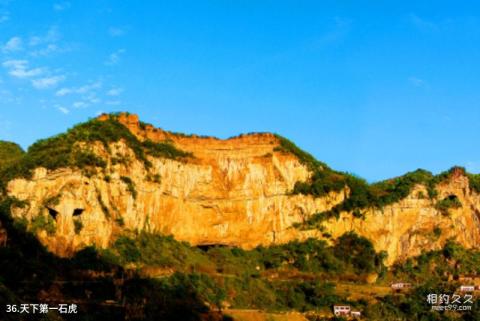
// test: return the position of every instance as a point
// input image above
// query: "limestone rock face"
(232, 192)
(413, 225)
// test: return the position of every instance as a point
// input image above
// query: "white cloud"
(114, 92)
(14, 44)
(92, 99)
(48, 50)
(63, 110)
(63, 92)
(61, 6)
(417, 82)
(113, 102)
(115, 57)
(15, 64)
(47, 82)
(116, 32)
(4, 17)
(79, 90)
(19, 69)
(52, 35)
(79, 104)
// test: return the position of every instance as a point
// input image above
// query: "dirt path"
(258, 315)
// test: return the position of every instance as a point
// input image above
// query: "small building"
(340, 310)
(398, 286)
(465, 278)
(469, 279)
(356, 314)
(467, 288)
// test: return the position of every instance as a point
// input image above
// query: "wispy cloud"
(114, 92)
(61, 6)
(47, 82)
(51, 36)
(115, 57)
(116, 31)
(4, 17)
(14, 44)
(79, 90)
(92, 98)
(417, 82)
(64, 110)
(47, 44)
(49, 50)
(113, 102)
(422, 24)
(80, 104)
(20, 69)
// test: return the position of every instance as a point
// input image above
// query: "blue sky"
(371, 88)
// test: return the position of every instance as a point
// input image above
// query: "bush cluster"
(449, 202)
(350, 254)
(62, 150)
(378, 195)
(130, 185)
(9, 153)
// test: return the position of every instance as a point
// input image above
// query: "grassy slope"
(61, 150)
(9, 153)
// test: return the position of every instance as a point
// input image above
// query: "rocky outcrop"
(413, 225)
(232, 192)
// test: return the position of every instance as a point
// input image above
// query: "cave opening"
(53, 213)
(78, 211)
(206, 247)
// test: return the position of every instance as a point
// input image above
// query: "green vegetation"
(64, 150)
(350, 254)
(431, 265)
(156, 250)
(474, 182)
(448, 203)
(437, 231)
(43, 222)
(104, 207)
(130, 185)
(155, 178)
(377, 195)
(364, 196)
(221, 273)
(324, 180)
(120, 221)
(78, 226)
(9, 153)
(287, 146)
(166, 150)
(51, 201)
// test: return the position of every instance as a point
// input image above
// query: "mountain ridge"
(249, 190)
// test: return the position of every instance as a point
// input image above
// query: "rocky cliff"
(231, 192)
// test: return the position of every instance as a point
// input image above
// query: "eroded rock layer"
(232, 192)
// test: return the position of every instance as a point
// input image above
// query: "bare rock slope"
(233, 192)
